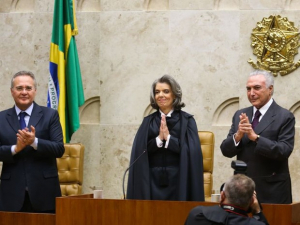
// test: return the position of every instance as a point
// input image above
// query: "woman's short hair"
(175, 88)
(23, 73)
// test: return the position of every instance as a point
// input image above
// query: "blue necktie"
(22, 120)
(256, 119)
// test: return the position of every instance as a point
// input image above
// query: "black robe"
(189, 186)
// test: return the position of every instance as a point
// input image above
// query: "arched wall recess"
(295, 109)
(150, 5)
(88, 5)
(21, 5)
(223, 114)
(90, 111)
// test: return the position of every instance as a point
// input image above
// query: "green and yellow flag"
(65, 90)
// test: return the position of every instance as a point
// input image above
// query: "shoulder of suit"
(44, 110)
(214, 213)
(283, 110)
(8, 111)
(245, 109)
(185, 114)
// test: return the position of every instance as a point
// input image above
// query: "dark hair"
(175, 87)
(23, 73)
(239, 190)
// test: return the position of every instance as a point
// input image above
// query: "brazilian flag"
(65, 90)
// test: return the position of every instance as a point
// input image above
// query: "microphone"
(130, 167)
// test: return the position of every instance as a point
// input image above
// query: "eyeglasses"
(20, 88)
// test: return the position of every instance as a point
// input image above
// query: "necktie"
(256, 119)
(22, 120)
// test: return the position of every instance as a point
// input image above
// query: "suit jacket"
(190, 182)
(215, 215)
(267, 159)
(33, 169)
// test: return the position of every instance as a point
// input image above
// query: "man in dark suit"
(266, 143)
(238, 198)
(29, 146)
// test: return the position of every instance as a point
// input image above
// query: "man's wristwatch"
(257, 216)
(257, 138)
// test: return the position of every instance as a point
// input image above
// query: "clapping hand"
(24, 138)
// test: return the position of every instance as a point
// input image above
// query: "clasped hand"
(24, 138)
(255, 207)
(163, 129)
(245, 127)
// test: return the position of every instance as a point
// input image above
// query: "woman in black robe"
(166, 158)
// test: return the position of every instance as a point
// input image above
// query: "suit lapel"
(249, 113)
(36, 115)
(12, 119)
(267, 119)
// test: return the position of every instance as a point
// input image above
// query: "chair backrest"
(207, 140)
(70, 169)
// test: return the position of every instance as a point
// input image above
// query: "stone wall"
(124, 45)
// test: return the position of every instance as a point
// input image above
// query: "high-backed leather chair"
(207, 140)
(70, 169)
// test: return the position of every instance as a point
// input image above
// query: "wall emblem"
(275, 42)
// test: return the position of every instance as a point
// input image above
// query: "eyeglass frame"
(20, 88)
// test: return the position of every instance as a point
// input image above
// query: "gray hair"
(175, 87)
(23, 73)
(239, 190)
(267, 75)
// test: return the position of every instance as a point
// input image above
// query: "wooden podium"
(78, 211)
(86, 210)
(15, 218)
(83, 209)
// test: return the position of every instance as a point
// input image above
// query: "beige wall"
(124, 45)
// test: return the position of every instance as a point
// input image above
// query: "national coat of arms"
(275, 42)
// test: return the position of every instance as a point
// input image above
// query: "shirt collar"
(168, 115)
(265, 108)
(28, 110)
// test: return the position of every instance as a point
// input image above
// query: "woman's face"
(164, 97)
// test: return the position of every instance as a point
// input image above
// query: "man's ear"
(223, 196)
(252, 200)
(271, 89)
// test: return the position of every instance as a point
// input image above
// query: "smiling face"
(23, 91)
(164, 97)
(257, 91)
